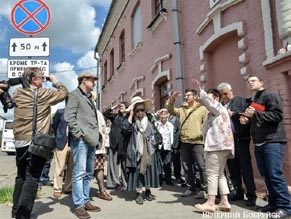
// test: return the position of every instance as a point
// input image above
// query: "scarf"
(142, 146)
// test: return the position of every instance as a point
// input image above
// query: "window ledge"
(136, 49)
(162, 15)
(278, 60)
(111, 79)
(104, 87)
(121, 67)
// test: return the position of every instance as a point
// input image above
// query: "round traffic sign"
(30, 17)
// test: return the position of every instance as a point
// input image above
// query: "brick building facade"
(153, 47)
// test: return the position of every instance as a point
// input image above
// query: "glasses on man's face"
(139, 110)
(91, 79)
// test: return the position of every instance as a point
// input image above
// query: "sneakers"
(90, 207)
(139, 199)
(200, 195)
(82, 213)
(187, 193)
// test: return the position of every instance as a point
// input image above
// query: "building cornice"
(112, 19)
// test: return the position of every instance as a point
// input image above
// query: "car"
(7, 140)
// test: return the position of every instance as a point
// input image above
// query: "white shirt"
(167, 131)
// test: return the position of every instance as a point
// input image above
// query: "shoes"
(236, 197)
(225, 208)
(266, 208)
(57, 194)
(279, 213)
(187, 193)
(139, 199)
(119, 187)
(250, 202)
(149, 195)
(90, 207)
(200, 195)
(82, 213)
(205, 208)
(105, 196)
(184, 184)
(179, 181)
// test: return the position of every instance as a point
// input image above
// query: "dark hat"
(87, 75)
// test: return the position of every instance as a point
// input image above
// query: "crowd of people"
(129, 147)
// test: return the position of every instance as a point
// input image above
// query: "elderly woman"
(116, 171)
(167, 131)
(142, 160)
(219, 146)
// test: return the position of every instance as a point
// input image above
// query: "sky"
(73, 33)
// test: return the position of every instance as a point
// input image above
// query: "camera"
(5, 97)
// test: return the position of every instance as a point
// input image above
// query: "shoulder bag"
(41, 145)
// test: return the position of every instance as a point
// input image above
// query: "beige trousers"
(63, 158)
(215, 162)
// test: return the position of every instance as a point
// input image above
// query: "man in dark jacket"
(265, 115)
(241, 166)
(63, 157)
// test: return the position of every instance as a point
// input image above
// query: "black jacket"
(267, 126)
(117, 139)
(238, 105)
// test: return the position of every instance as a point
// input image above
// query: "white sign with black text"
(29, 46)
(16, 67)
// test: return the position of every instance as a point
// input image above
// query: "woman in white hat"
(142, 161)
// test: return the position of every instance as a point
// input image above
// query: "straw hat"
(147, 103)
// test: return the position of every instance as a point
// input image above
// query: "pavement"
(167, 205)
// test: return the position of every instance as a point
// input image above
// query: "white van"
(7, 142)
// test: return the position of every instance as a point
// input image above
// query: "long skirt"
(150, 179)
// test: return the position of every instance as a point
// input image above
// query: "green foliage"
(6, 194)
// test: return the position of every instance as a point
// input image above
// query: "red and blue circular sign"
(30, 17)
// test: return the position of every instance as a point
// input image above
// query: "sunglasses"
(139, 110)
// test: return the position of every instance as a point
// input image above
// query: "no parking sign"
(30, 17)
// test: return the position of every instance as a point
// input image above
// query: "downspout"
(98, 100)
(178, 55)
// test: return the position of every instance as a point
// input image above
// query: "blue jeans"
(83, 168)
(269, 159)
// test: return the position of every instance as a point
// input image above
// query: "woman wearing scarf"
(142, 161)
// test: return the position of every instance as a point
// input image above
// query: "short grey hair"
(223, 85)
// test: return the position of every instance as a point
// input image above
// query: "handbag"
(41, 145)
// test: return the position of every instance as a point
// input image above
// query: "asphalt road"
(168, 204)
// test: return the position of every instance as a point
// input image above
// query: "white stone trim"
(227, 29)
(139, 90)
(158, 62)
(162, 17)
(161, 74)
(136, 49)
(214, 11)
(134, 82)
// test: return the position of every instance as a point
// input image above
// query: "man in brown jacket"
(29, 166)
